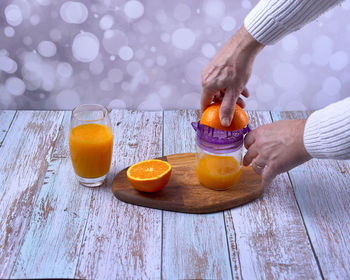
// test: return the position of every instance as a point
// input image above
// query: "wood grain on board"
(122, 240)
(184, 193)
(267, 238)
(194, 246)
(25, 154)
(323, 194)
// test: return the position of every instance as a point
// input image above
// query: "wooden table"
(53, 227)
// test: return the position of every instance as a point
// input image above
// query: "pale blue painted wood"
(123, 241)
(194, 246)
(25, 153)
(6, 118)
(267, 237)
(52, 243)
(322, 191)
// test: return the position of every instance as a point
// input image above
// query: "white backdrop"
(148, 55)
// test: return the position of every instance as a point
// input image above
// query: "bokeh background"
(148, 55)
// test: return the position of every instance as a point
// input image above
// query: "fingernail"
(225, 122)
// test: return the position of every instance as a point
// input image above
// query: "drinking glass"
(91, 144)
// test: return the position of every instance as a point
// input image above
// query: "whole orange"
(211, 118)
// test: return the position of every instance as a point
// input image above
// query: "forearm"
(271, 20)
(327, 131)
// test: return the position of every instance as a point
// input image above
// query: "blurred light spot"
(183, 38)
(117, 104)
(67, 99)
(265, 92)
(47, 48)
(161, 60)
(13, 15)
(208, 50)
(74, 12)
(165, 37)
(193, 70)
(133, 67)
(55, 35)
(152, 102)
(246, 4)
(214, 8)
(106, 22)
(126, 53)
(43, 2)
(338, 60)
(64, 69)
(290, 43)
(115, 75)
(9, 31)
(7, 64)
(134, 9)
(322, 50)
(228, 23)
(15, 86)
(305, 59)
(113, 40)
(106, 85)
(96, 66)
(34, 20)
(182, 12)
(190, 101)
(85, 47)
(288, 77)
(331, 86)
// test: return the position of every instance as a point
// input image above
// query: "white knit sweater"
(327, 131)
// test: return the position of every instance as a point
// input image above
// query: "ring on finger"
(259, 165)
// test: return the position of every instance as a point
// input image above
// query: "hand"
(275, 148)
(227, 74)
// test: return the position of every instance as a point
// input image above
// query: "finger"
(249, 139)
(218, 96)
(241, 102)
(245, 92)
(267, 176)
(206, 97)
(251, 154)
(228, 106)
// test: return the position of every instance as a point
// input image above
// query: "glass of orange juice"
(219, 156)
(91, 144)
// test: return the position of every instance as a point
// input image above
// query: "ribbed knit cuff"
(327, 131)
(270, 20)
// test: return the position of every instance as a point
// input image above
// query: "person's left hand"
(275, 148)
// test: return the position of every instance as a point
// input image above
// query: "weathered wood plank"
(52, 243)
(322, 190)
(25, 154)
(267, 237)
(122, 240)
(194, 246)
(6, 118)
(61, 148)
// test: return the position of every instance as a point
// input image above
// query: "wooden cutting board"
(184, 193)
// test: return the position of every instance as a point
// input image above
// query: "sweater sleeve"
(327, 131)
(270, 20)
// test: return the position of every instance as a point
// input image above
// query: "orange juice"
(91, 148)
(218, 172)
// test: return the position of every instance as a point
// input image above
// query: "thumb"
(228, 106)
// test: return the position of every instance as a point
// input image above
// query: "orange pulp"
(91, 148)
(218, 172)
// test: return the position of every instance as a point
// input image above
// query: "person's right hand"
(227, 74)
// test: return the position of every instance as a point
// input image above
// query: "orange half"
(211, 118)
(149, 175)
